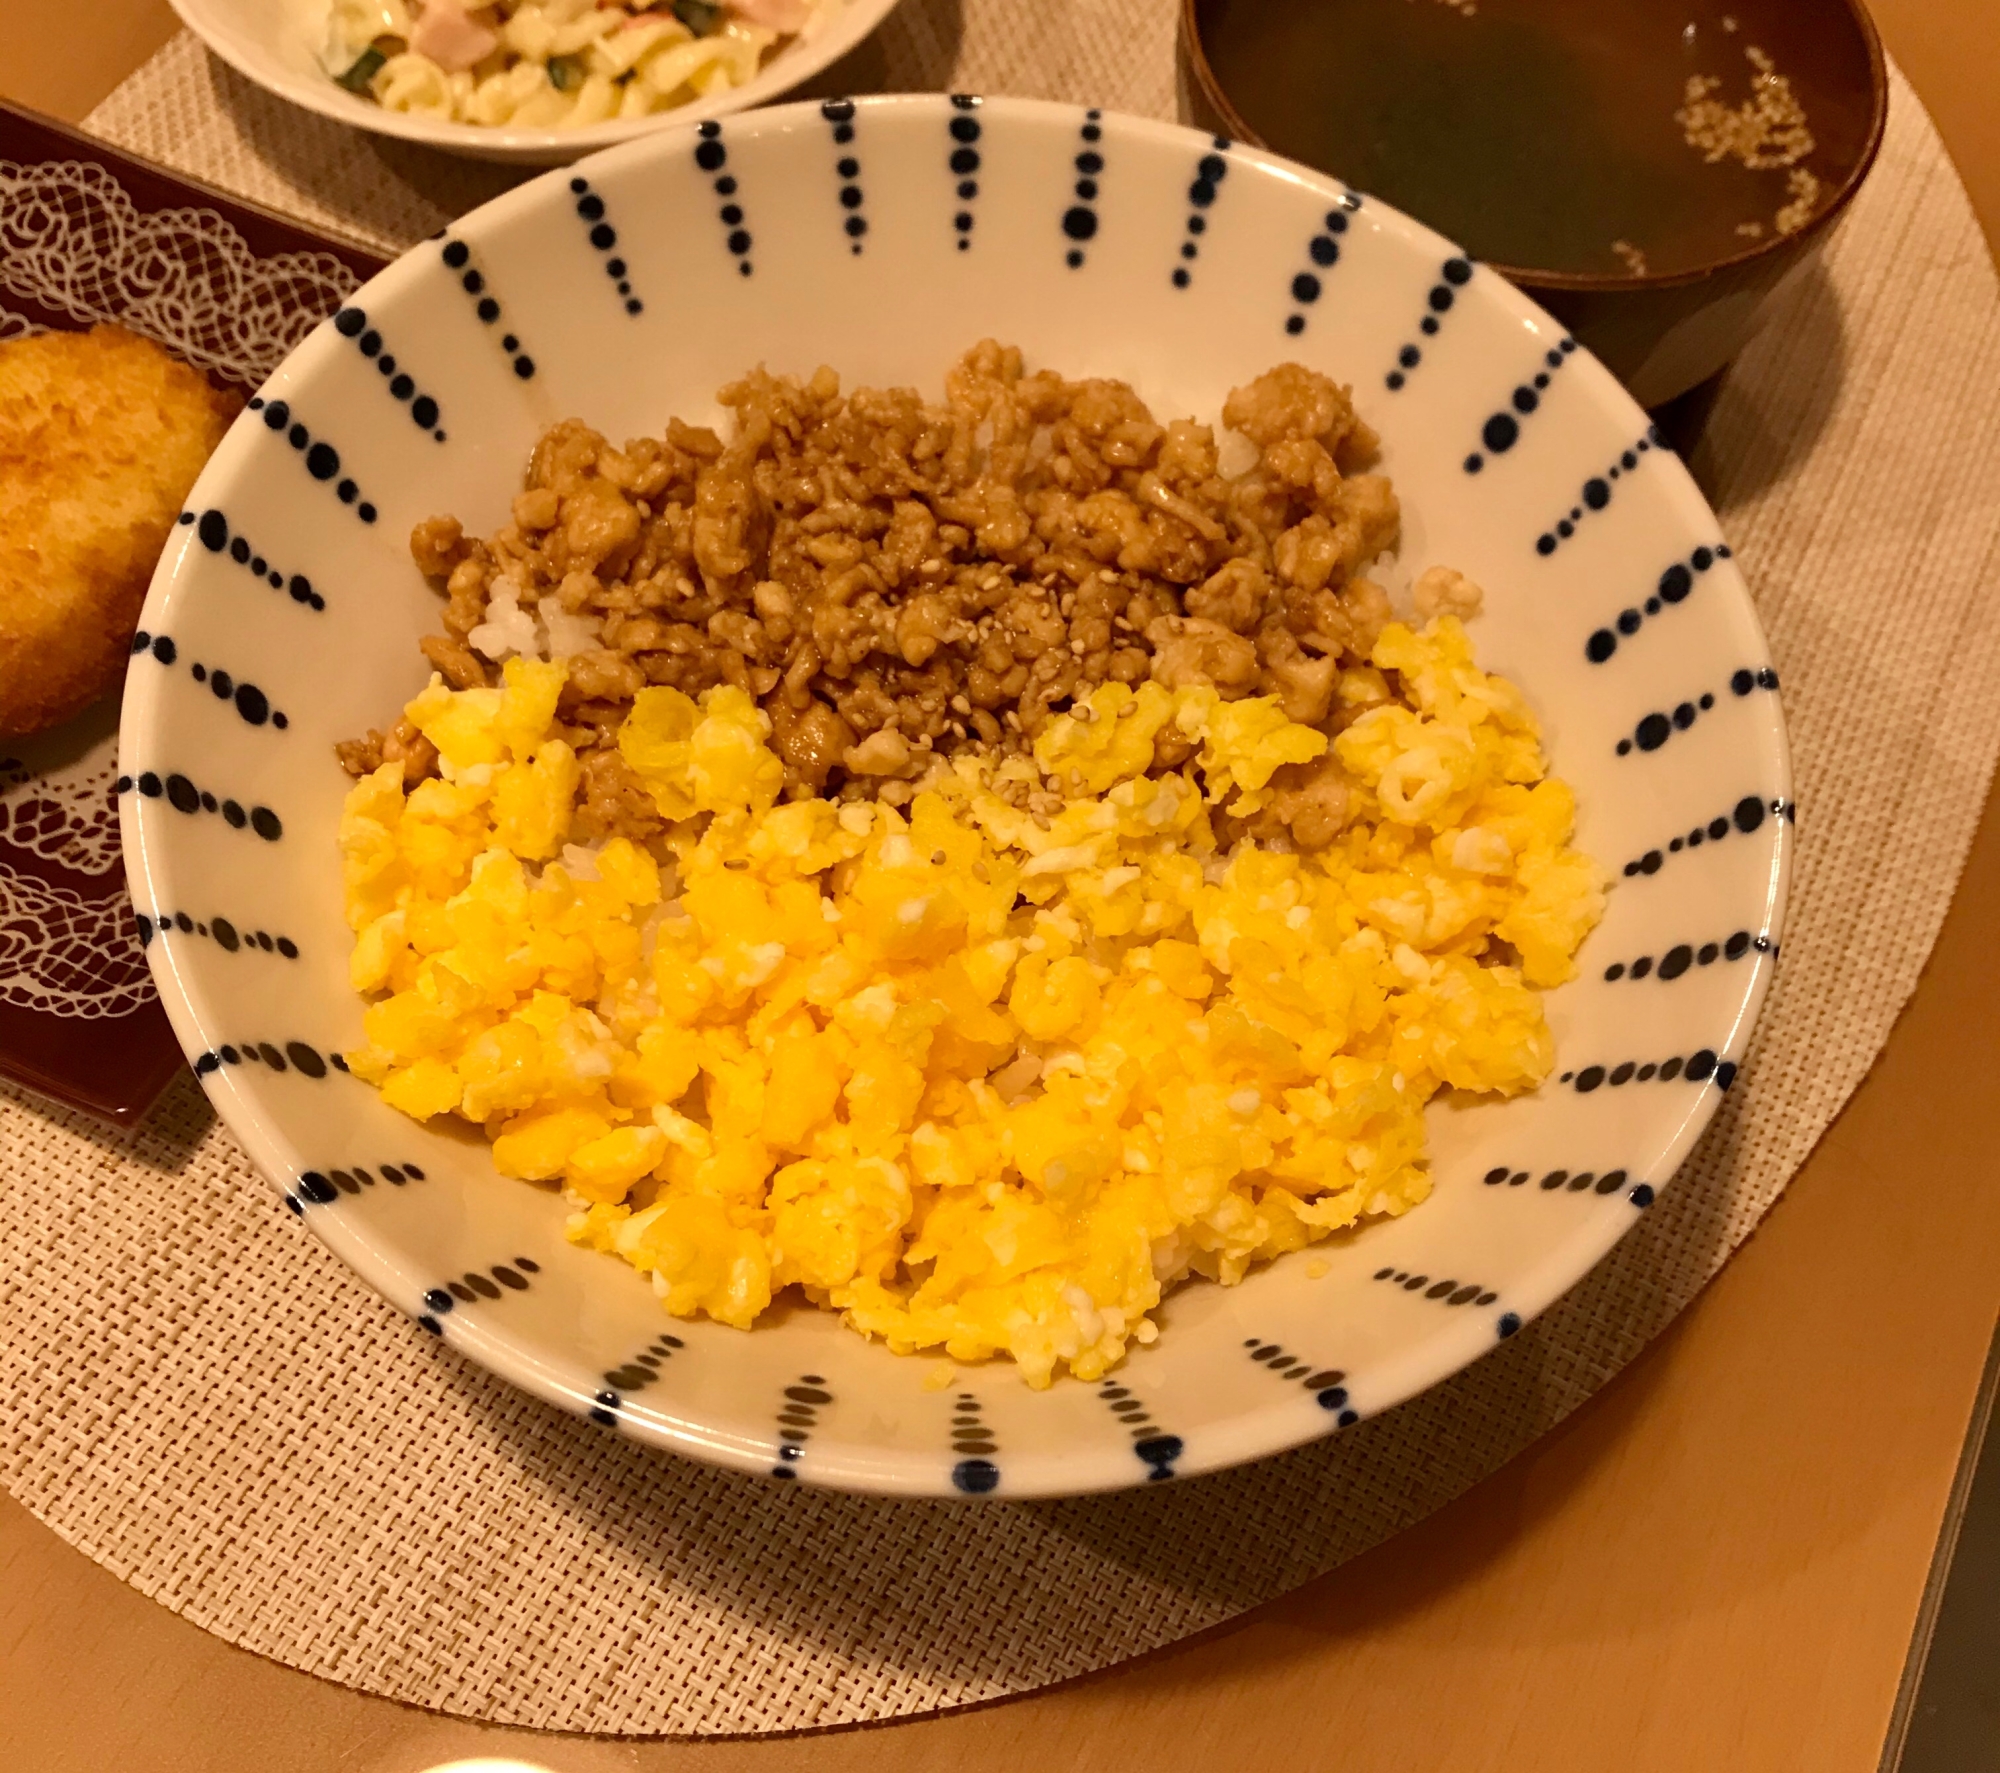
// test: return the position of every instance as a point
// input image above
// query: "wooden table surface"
(1713, 1565)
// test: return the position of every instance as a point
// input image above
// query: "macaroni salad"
(552, 64)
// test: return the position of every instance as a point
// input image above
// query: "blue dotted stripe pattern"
(962, 161)
(1683, 956)
(183, 796)
(294, 1055)
(321, 1188)
(1079, 220)
(1672, 591)
(1323, 250)
(457, 256)
(321, 459)
(1445, 1292)
(1656, 728)
(1696, 1068)
(974, 1473)
(591, 212)
(219, 930)
(1151, 1445)
(839, 115)
(1209, 172)
(1453, 275)
(211, 527)
(711, 154)
(1327, 1384)
(247, 699)
(1596, 492)
(425, 414)
(1558, 1181)
(439, 1302)
(796, 1421)
(1502, 429)
(644, 1367)
(1745, 817)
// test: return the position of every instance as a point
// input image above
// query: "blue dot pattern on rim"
(839, 114)
(644, 1367)
(1328, 1385)
(1671, 591)
(1655, 729)
(796, 1421)
(1209, 172)
(1079, 220)
(1596, 491)
(1557, 1181)
(219, 930)
(1502, 429)
(962, 161)
(183, 796)
(1439, 300)
(294, 1055)
(247, 699)
(457, 256)
(1682, 956)
(1745, 817)
(321, 459)
(352, 323)
(1442, 1290)
(974, 1473)
(1154, 1448)
(711, 155)
(211, 528)
(1323, 253)
(1696, 1068)
(591, 212)
(321, 1188)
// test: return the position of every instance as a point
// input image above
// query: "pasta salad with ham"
(553, 64)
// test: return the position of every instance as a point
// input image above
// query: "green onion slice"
(364, 69)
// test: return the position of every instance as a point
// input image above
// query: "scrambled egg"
(984, 1080)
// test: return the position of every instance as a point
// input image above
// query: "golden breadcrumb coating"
(101, 435)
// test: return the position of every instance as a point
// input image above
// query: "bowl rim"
(1194, 55)
(845, 29)
(1401, 1375)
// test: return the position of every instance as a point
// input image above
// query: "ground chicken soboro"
(892, 579)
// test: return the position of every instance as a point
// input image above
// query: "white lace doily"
(72, 240)
(68, 946)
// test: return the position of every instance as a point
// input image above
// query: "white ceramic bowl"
(284, 616)
(276, 44)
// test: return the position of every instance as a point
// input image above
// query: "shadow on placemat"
(1775, 423)
(163, 1142)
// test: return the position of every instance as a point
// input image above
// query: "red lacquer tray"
(88, 234)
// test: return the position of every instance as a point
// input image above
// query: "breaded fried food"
(101, 435)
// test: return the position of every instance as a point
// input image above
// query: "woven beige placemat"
(201, 1398)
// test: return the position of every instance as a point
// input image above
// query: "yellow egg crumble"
(984, 1080)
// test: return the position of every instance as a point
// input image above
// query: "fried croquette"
(101, 435)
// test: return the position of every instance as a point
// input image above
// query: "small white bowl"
(276, 43)
(285, 616)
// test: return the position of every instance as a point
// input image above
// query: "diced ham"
(786, 17)
(451, 37)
